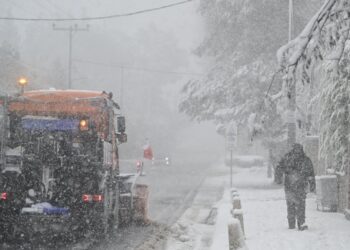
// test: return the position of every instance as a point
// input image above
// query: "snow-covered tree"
(239, 73)
(241, 42)
(324, 43)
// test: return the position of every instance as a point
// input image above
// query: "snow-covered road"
(172, 191)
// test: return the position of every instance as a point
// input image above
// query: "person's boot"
(302, 227)
(291, 224)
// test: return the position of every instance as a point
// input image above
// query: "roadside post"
(231, 166)
(230, 143)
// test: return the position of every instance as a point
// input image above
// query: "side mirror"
(121, 124)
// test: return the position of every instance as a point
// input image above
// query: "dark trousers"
(295, 208)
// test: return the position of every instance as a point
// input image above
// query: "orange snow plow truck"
(59, 168)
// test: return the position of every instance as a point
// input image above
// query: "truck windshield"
(56, 158)
(52, 137)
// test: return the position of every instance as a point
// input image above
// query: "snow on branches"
(227, 93)
(323, 47)
(323, 38)
(240, 43)
(241, 40)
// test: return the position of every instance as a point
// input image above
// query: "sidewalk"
(204, 225)
(266, 224)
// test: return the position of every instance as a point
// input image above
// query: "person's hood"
(297, 148)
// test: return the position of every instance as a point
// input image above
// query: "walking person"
(298, 172)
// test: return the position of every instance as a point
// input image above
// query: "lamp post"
(291, 20)
(291, 126)
(22, 82)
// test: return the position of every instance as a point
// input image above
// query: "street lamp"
(22, 82)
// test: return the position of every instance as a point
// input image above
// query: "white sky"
(183, 21)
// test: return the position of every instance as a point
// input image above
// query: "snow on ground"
(195, 228)
(265, 216)
(204, 225)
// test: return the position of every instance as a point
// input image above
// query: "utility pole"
(291, 20)
(121, 86)
(291, 126)
(71, 29)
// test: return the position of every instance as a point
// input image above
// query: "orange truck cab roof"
(59, 102)
(63, 103)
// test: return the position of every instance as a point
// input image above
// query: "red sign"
(147, 152)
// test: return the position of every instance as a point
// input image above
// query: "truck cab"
(59, 167)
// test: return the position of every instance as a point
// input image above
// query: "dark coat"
(298, 171)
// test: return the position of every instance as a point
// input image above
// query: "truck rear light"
(94, 198)
(97, 198)
(3, 196)
(87, 198)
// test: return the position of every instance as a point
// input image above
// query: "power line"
(98, 17)
(137, 68)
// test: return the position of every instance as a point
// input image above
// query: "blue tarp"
(50, 124)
